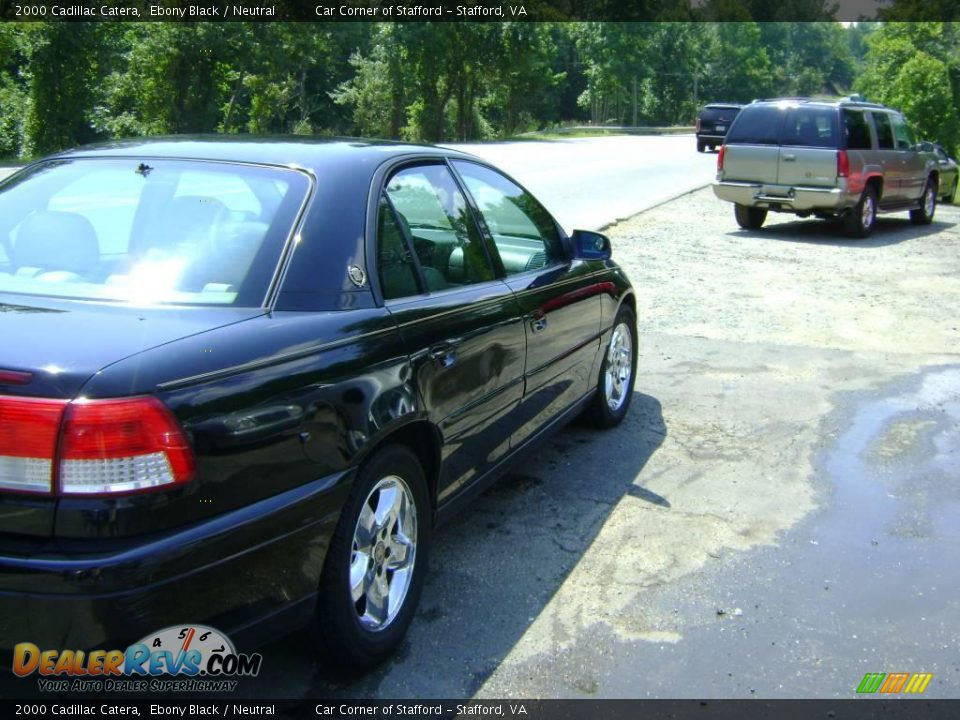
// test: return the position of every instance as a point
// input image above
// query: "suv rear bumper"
(784, 197)
(233, 571)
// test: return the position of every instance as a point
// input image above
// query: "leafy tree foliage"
(67, 83)
(914, 67)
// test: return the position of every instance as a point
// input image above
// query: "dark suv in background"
(841, 159)
(713, 122)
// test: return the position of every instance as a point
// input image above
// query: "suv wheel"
(377, 559)
(701, 146)
(749, 218)
(928, 205)
(859, 223)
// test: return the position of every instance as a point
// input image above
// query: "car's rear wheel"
(701, 146)
(749, 218)
(928, 205)
(861, 219)
(617, 373)
(375, 566)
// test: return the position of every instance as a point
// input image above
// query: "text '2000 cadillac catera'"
(241, 381)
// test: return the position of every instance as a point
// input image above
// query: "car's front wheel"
(861, 219)
(749, 218)
(951, 193)
(617, 373)
(928, 205)
(375, 566)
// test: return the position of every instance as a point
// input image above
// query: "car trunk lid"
(59, 345)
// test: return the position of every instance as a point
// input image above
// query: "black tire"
(612, 400)
(950, 194)
(700, 146)
(749, 218)
(344, 626)
(860, 221)
(923, 215)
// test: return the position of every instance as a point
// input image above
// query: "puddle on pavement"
(869, 583)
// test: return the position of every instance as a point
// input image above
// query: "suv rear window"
(811, 127)
(721, 114)
(808, 126)
(757, 125)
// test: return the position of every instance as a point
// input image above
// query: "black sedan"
(242, 381)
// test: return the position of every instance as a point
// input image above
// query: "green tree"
(914, 67)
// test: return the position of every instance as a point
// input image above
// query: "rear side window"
(757, 125)
(430, 208)
(811, 127)
(901, 133)
(881, 122)
(856, 129)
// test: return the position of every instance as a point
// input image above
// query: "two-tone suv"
(841, 159)
(713, 122)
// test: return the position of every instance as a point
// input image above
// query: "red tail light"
(91, 447)
(843, 164)
(723, 149)
(698, 125)
(28, 442)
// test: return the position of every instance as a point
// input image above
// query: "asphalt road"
(589, 183)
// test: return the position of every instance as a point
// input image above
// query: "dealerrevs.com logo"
(180, 658)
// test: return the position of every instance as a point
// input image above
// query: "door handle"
(789, 157)
(443, 355)
(538, 321)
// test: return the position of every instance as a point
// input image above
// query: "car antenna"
(143, 169)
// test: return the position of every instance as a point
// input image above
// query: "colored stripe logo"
(893, 683)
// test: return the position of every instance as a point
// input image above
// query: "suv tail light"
(697, 129)
(91, 447)
(723, 149)
(843, 164)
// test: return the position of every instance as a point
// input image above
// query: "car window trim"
(408, 243)
(380, 180)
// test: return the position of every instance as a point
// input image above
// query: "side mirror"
(588, 245)
(925, 146)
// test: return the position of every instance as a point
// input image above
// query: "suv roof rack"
(856, 100)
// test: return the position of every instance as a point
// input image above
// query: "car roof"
(722, 105)
(823, 102)
(319, 155)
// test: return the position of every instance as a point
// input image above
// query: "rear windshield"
(147, 231)
(781, 124)
(757, 125)
(723, 114)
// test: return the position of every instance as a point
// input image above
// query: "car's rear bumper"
(711, 137)
(784, 197)
(233, 571)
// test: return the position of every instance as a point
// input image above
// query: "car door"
(913, 175)
(461, 324)
(889, 159)
(559, 298)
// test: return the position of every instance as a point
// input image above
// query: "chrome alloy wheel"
(616, 382)
(383, 554)
(867, 212)
(929, 200)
